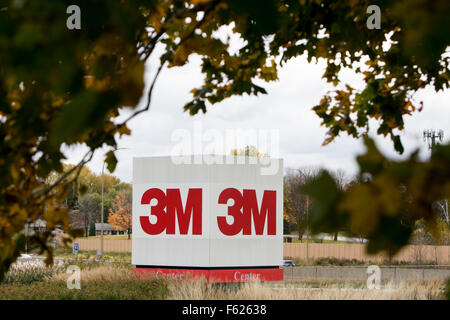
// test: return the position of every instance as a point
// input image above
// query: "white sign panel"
(207, 215)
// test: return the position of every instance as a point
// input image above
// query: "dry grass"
(29, 271)
(99, 274)
(117, 281)
(201, 290)
(66, 253)
(98, 282)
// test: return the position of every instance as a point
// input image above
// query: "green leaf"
(323, 214)
(83, 189)
(111, 161)
(398, 146)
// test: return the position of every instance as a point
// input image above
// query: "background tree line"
(298, 206)
(84, 201)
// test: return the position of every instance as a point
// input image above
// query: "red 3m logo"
(245, 209)
(168, 204)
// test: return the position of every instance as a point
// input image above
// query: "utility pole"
(431, 136)
(101, 225)
(434, 137)
(26, 238)
(307, 229)
(444, 206)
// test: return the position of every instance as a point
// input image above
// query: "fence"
(411, 254)
(108, 245)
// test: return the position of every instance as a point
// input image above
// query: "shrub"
(98, 282)
(27, 272)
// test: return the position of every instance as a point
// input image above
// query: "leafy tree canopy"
(248, 151)
(120, 214)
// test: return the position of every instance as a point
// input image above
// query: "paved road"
(361, 273)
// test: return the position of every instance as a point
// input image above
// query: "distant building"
(77, 220)
(107, 229)
(39, 226)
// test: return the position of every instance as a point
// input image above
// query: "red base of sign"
(211, 275)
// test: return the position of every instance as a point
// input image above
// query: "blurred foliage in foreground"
(447, 290)
(390, 198)
(61, 87)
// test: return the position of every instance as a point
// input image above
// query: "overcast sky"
(286, 108)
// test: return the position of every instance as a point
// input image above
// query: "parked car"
(288, 263)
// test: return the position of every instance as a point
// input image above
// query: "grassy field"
(294, 240)
(98, 282)
(126, 257)
(200, 290)
(66, 253)
(32, 280)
